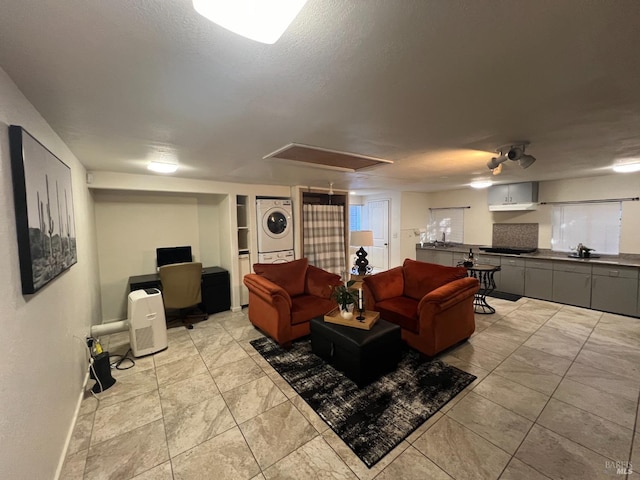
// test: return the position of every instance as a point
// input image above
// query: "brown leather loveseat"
(433, 304)
(284, 297)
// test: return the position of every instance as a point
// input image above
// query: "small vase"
(348, 313)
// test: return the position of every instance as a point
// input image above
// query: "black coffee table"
(362, 355)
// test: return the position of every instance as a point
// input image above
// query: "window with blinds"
(446, 224)
(595, 225)
(355, 217)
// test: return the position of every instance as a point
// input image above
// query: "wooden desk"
(216, 290)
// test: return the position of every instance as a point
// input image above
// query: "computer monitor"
(168, 255)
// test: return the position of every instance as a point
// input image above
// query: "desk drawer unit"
(216, 290)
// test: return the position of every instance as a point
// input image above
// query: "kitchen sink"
(439, 245)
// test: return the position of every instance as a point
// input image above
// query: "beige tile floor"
(556, 397)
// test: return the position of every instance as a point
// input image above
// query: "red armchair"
(284, 297)
(433, 304)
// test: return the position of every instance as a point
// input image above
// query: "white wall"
(44, 359)
(213, 199)
(478, 220)
(414, 217)
(210, 217)
(131, 225)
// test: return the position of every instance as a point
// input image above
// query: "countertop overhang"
(624, 259)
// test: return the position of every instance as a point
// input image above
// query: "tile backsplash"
(518, 235)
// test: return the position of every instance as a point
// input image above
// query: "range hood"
(513, 207)
(513, 196)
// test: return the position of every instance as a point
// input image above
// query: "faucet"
(437, 242)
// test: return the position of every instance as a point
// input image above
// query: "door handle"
(386, 244)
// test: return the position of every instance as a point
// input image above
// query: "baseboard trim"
(73, 426)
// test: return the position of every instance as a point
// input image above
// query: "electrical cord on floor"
(96, 397)
(96, 378)
(116, 364)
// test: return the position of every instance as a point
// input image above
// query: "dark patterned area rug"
(375, 419)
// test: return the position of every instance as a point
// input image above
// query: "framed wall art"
(44, 211)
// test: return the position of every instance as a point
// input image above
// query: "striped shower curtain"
(323, 230)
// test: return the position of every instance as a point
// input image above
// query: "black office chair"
(182, 292)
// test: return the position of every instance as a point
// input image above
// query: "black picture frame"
(45, 220)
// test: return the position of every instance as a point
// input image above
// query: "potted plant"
(345, 298)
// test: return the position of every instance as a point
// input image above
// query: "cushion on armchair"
(402, 311)
(421, 278)
(319, 282)
(290, 276)
(387, 284)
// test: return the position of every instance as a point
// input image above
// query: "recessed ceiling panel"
(322, 157)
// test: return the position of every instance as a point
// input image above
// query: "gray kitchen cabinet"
(498, 194)
(484, 259)
(614, 289)
(538, 279)
(425, 255)
(512, 275)
(444, 258)
(572, 283)
(440, 257)
(513, 193)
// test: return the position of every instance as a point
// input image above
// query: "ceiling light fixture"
(481, 184)
(514, 152)
(162, 167)
(260, 20)
(627, 167)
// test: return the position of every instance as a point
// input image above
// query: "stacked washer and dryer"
(275, 230)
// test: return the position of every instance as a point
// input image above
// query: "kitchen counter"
(625, 259)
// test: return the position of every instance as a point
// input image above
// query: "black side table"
(484, 274)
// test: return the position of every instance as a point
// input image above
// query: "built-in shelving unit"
(244, 259)
(243, 223)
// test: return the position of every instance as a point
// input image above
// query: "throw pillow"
(289, 276)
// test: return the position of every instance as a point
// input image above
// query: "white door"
(379, 224)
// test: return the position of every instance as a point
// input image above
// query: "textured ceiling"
(433, 85)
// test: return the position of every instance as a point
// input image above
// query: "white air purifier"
(147, 324)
